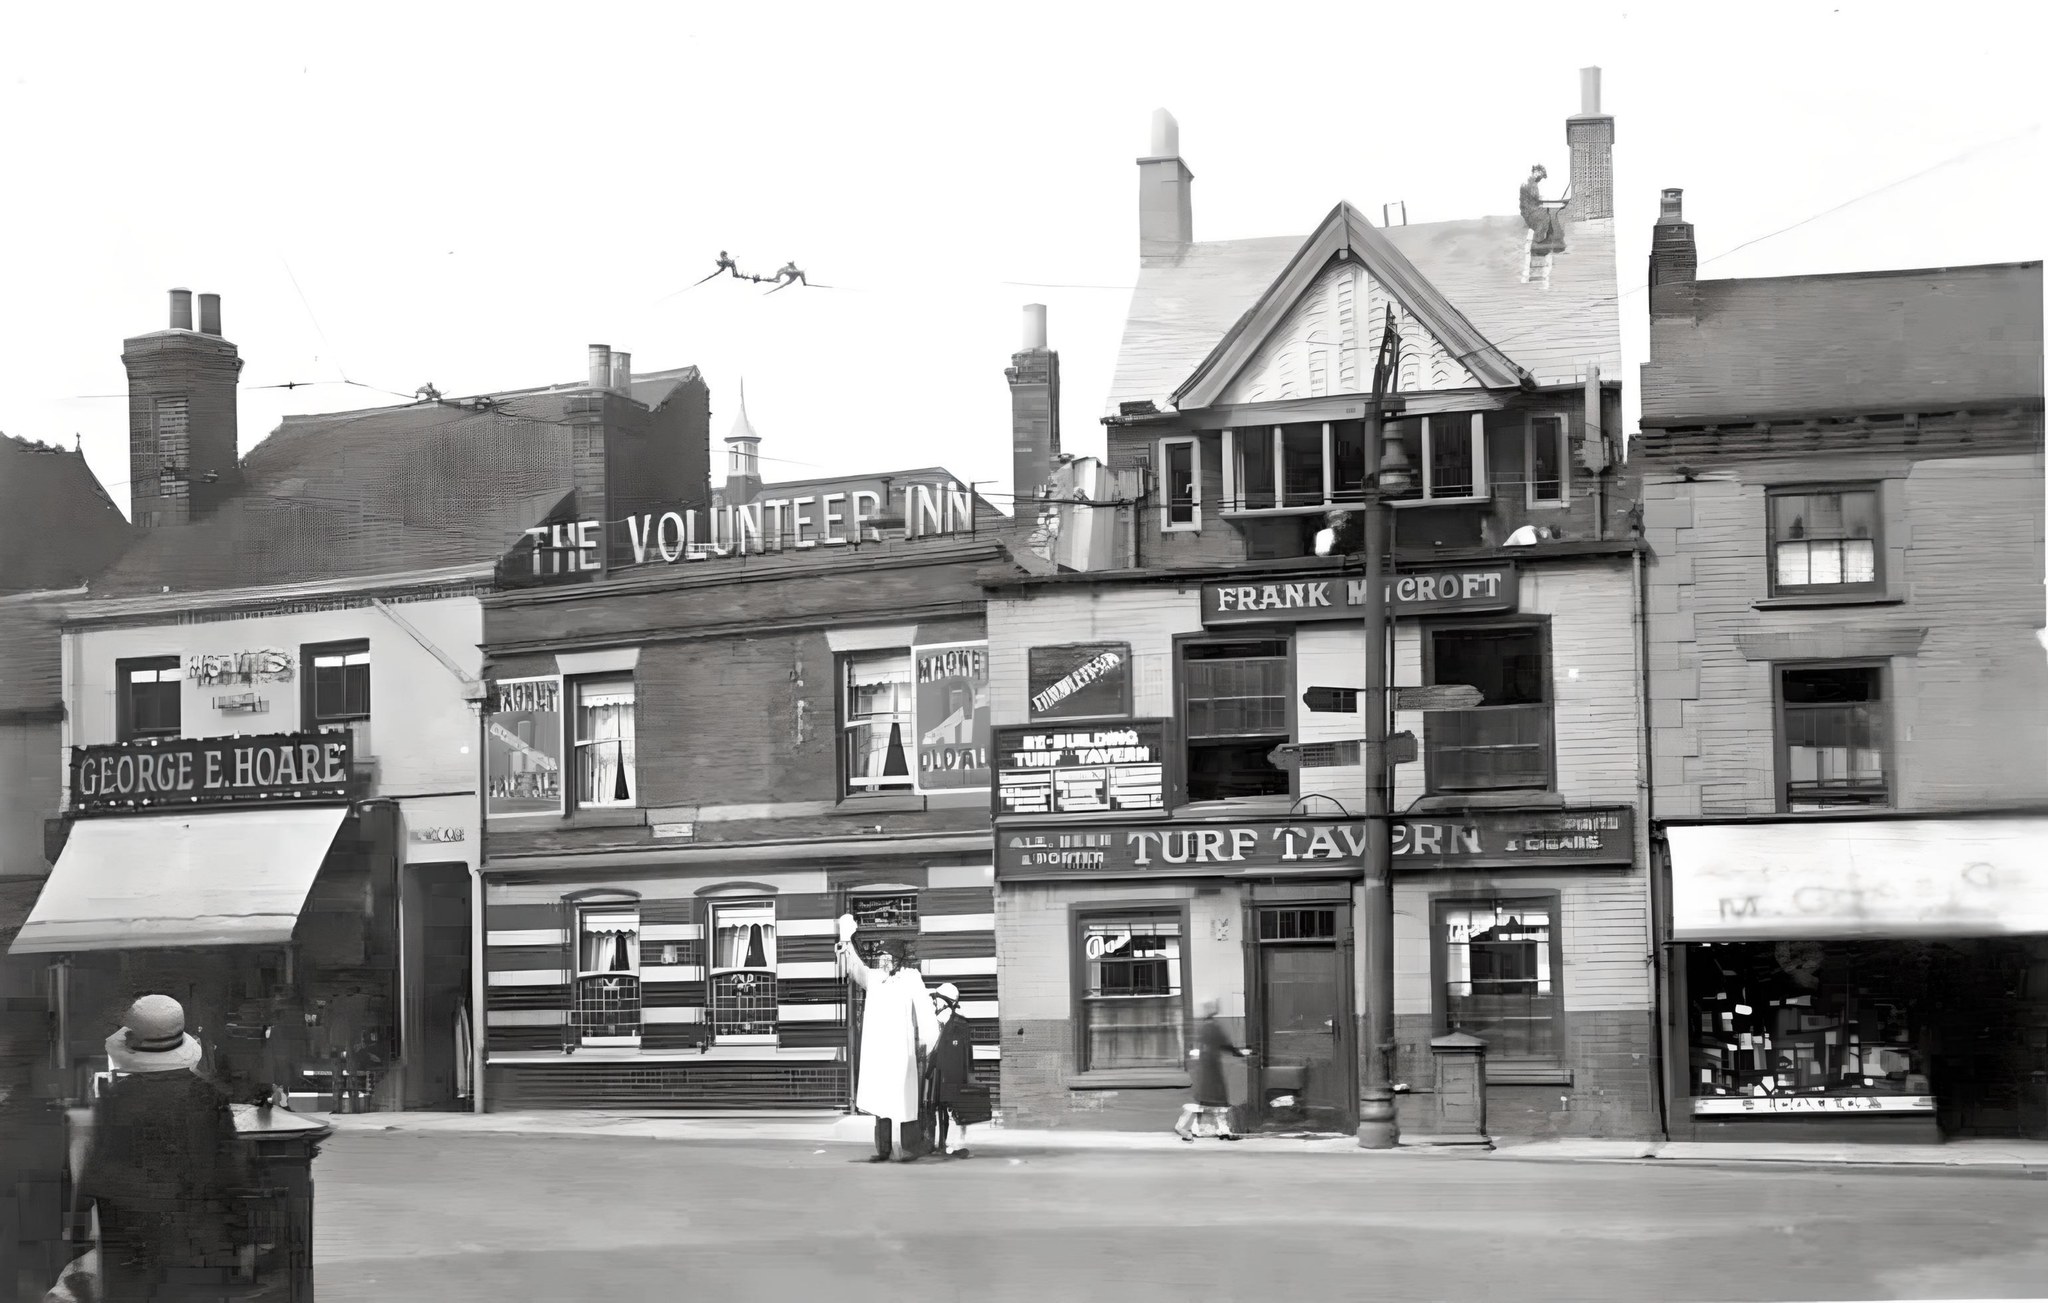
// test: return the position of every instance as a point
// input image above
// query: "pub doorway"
(1301, 1023)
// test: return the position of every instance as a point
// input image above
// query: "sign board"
(949, 716)
(1475, 839)
(1401, 750)
(1331, 701)
(186, 773)
(435, 836)
(1723, 1105)
(1082, 680)
(1438, 696)
(249, 667)
(1466, 591)
(1844, 878)
(1081, 771)
(523, 748)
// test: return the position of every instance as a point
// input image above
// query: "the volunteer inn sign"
(1290, 599)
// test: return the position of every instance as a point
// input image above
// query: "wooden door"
(1307, 1062)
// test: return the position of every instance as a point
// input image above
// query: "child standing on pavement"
(1211, 1106)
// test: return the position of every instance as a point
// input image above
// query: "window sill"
(881, 802)
(1527, 1072)
(1131, 1078)
(1808, 600)
(606, 816)
(1240, 806)
(1531, 798)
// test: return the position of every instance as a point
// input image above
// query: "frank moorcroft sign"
(1477, 839)
(1473, 590)
(190, 772)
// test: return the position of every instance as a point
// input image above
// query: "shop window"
(151, 690)
(742, 972)
(1825, 541)
(1180, 484)
(1547, 455)
(604, 742)
(336, 679)
(1498, 965)
(1448, 453)
(874, 730)
(1234, 711)
(1133, 1011)
(1831, 734)
(607, 1000)
(1504, 743)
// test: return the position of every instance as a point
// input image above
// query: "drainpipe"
(1646, 785)
(477, 1016)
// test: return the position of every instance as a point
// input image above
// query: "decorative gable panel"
(1327, 343)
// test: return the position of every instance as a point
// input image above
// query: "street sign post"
(1438, 696)
(1331, 701)
(1401, 750)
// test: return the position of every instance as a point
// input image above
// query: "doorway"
(436, 931)
(1306, 1075)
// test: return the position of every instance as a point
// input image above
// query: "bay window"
(1315, 465)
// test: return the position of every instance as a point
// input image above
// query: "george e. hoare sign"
(1288, 600)
(185, 773)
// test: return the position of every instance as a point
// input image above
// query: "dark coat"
(1212, 1043)
(949, 1080)
(33, 1154)
(166, 1170)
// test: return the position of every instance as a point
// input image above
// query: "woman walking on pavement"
(1212, 1092)
(897, 1030)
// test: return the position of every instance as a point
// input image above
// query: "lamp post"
(1386, 471)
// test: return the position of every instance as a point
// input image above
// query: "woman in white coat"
(897, 1029)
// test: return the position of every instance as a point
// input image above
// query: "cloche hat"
(153, 1038)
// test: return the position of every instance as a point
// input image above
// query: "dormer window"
(1310, 467)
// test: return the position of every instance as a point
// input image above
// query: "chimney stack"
(209, 315)
(1034, 376)
(182, 429)
(1166, 214)
(1674, 258)
(181, 309)
(600, 366)
(622, 373)
(1590, 133)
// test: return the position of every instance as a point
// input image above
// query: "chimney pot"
(1671, 208)
(600, 366)
(1165, 135)
(1589, 92)
(209, 314)
(1034, 327)
(181, 309)
(622, 373)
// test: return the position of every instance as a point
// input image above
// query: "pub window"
(1547, 450)
(1180, 484)
(604, 741)
(607, 1007)
(742, 971)
(1306, 465)
(875, 727)
(1234, 711)
(150, 691)
(337, 689)
(1832, 736)
(1824, 540)
(1499, 964)
(1133, 1001)
(1503, 743)
(1448, 453)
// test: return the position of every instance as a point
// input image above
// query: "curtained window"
(1133, 1009)
(875, 730)
(607, 1001)
(742, 971)
(604, 742)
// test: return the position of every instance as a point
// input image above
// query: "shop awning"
(230, 877)
(1874, 878)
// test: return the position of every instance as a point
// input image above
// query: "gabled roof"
(1887, 341)
(1468, 271)
(58, 527)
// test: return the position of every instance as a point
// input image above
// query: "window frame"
(1564, 461)
(1179, 771)
(714, 907)
(850, 788)
(1432, 428)
(598, 903)
(572, 728)
(124, 704)
(1079, 915)
(1428, 631)
(1782, 751)
(1874, 588)
(1504, 1069)
(1193, 524)
(309, 692)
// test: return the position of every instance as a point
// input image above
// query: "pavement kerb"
(858, 1130)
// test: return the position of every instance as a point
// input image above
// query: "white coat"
(897, 1022)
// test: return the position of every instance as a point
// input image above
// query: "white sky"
(471, 199)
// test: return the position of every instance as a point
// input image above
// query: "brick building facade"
(1849, 706)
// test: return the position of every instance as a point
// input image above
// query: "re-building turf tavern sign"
(1479, 589)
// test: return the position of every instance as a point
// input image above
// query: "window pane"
(1834, 736)
(1450, 456)
(744, 938)
(1301, 461)
(1180, 483)
(1824, 538)
(1255, 467)
(876, 731)
(1546, 459)
(604, 744)
(1498, 983)
(1793, 565)
(1506, 665)
(1131, 996)
(1859, 561)
(1348, 448)
(1788, 516)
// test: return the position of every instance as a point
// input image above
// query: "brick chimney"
(1590, 133)
(1034, 376)
(1674, 259)
(182, 432)
(1166, 214)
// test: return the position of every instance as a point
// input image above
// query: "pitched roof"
(1886, 341)
(376, 492)
(31, 650)
(1185, 306)
(58, 527)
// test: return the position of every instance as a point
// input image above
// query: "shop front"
(1117, 934)
(1858, 978)
(237, 875)
(703, 977)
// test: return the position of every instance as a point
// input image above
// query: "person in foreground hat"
(164, 1166)
(897, 1029)
(950, 1093)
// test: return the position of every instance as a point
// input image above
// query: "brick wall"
(1963, 556)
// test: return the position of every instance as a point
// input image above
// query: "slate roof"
(58, 526)
(1183, 306)
(376, 492)
(1874, 342)
(31, 651)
